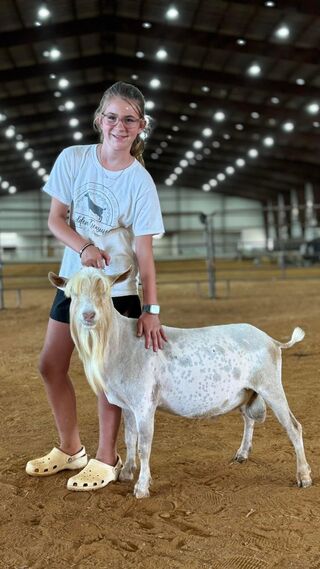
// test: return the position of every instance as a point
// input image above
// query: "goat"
(201, 372)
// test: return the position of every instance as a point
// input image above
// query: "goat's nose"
(89, 316)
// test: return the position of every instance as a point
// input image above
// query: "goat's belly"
(200, 403)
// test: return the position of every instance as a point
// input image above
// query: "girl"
(114, 211)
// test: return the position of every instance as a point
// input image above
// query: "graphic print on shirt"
(96, 209)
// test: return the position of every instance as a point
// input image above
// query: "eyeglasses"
(128, 122)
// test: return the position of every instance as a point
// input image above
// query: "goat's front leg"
(145, 435)
(130, 435)
(246, 443)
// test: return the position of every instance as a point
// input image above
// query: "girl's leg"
(54, 365)
(109, 422)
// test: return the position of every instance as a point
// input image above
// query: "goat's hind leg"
(131, 437)
(275, 397)
(243, 451)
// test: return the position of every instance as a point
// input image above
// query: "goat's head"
(90, 293)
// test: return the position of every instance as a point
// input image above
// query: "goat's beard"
(91, 343)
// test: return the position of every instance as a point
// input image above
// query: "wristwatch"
(151, 308)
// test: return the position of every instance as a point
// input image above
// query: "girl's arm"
(59, 227)
(148, 324)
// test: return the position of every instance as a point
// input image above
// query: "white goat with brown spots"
(201, 372)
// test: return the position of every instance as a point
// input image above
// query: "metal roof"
(210, 47)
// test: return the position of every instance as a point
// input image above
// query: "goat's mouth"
(88, 324)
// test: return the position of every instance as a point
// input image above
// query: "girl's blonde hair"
(134, 97)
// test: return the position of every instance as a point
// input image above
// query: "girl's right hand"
(94, 257)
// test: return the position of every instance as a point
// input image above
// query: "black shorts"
(127, 305)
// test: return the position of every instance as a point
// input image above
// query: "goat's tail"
(297, 336)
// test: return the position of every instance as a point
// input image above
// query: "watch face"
(151, 308)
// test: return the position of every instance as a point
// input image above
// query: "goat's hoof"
(305, 482)
(240, 458)
(125, 475)
(141, 493)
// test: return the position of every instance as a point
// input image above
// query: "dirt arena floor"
(205, 512)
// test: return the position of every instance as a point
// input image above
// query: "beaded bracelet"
(84, 247)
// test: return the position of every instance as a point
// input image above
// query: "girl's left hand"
(150, 326)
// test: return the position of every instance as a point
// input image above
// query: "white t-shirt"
(108, 208)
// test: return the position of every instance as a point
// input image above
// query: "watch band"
(151, 308)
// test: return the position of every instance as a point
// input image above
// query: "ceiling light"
(316, 124)
(53, 53)
(43, 13)
(139, 54)
(159, 150)
(254, 69)
(57, 94)
(28, 155)
(197, 144)
(178, 170)
(283, 32)
(134, 76)
(42, 171)
(69, 105)
(216, 144)
(313, 108)
(189, 154)
(193, 105)
(213, 183)
(206, 187)
(146, 25)
(221, 177)
(206, 151)
(36, 23)
(20, 145)
(77, 135)
(155, 83)
(10, 132)
(184, 163)
(161, 53)
(63, 83)
(73, 122)
(241, 41)
(255, 115)
(184, 118)
(300, 81)
(163, 144)
(12, 189)
(5, 185)
(149, 105)
(45, 177)
(35, 164)
(253, 153)
(207, 132)
(219, 116)
(172, 13)
(240, 162)
(226, 136)
(175, 128)
(230, 170)
(168, 182)
(173, 177)
(275, 100)
(2, 117)
(52, 76)
(288, 126)
(154, 156)
(270, 4)
(205, 88)
(268, 141)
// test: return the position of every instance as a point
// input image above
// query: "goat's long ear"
(120, 278)
(58, 282)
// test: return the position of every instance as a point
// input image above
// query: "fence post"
(1, 287)
(207, 220)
